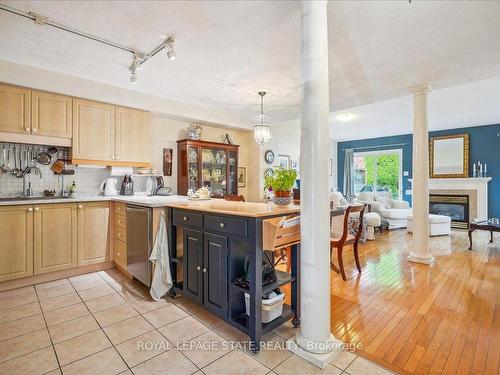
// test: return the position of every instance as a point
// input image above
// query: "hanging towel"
(162, 279)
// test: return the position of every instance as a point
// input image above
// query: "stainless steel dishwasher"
(139, 242)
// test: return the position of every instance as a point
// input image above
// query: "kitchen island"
(214, 243)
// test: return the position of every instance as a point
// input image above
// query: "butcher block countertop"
(247, 209)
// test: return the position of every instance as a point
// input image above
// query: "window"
(379, 171)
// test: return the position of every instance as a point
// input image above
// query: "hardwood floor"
(417, 319)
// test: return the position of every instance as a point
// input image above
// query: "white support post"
(314, 342)
(421, 251)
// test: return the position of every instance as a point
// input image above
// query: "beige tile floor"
(105, 323)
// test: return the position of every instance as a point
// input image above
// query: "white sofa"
(381, 201)
(392, 210)
(439, 225)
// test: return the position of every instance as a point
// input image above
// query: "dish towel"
(162, 278)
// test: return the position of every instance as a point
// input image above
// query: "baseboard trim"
(51, 276)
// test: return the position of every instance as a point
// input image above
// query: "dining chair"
(346, 230)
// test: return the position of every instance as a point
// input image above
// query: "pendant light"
(261, 131)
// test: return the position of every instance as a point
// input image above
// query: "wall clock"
(269, 156)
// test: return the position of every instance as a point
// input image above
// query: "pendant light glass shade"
(261, 131)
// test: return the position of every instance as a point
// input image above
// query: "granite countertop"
(219, 206)
(142, 200)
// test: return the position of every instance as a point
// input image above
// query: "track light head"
(169, 47)
(133, 78)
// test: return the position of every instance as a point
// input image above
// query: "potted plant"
(281, 183)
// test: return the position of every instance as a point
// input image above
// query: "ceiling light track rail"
(139, 58)
(41, 20)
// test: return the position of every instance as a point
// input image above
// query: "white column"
(421, 251)
(314, 341)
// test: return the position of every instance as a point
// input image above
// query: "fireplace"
(454, 206)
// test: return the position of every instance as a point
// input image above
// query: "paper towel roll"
(121, 171)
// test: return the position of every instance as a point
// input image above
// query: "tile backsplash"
(87, 178)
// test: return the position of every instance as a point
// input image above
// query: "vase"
(282, 198)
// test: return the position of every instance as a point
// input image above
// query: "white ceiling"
(471, 104)
(227, 51)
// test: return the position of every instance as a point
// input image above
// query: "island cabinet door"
(193, 263)
(215, 273)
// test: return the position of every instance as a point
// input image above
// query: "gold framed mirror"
(449, 156)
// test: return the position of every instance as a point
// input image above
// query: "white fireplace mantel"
(479, 184)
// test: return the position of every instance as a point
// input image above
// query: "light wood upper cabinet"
(51, 114)
(132, 135)
(16, 242)
(55, 237)
(93, 233)
(93, 130)
(14, 109)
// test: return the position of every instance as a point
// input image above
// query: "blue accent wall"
(484, 146)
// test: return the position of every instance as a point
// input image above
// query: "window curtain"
(349, 172)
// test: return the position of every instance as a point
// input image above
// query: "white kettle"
(109, 187)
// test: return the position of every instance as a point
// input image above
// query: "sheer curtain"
(349, 172)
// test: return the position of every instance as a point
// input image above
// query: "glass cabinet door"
(213, 173)
(193, 168)
(233, 173)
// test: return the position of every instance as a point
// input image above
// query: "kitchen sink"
(33, 198)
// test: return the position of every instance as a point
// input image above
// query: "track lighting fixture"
(139, 58)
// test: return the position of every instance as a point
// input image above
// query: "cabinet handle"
(222, 225)
(80, 206)
(34, 130)
(118, 253)
(27, 130)
(185, 218)
(30, 209)
(117, 157)
(204, 270)
(37, 209)
(112, 157)
(198, 268)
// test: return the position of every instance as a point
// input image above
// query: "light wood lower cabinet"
(120, 235)
(121, 253)
(93, 233)
(55, 237)
(16, 242)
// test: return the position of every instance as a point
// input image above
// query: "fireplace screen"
(454, 206)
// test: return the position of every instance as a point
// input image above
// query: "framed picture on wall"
(242, 176)
(284, 161)
(167, 161)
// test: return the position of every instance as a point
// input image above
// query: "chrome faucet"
(29, 191)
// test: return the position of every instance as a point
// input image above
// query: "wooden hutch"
(210, 164)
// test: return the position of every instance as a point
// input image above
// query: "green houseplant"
(281, 183)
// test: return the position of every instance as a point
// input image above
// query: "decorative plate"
(268, 172)
(269, 157)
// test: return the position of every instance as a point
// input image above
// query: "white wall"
(169, 121)
(43, 79)
(165, 132)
